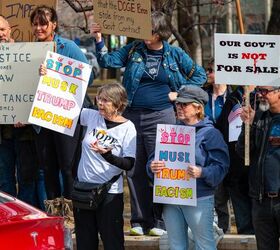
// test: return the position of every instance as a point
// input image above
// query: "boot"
(68, 215)
(54, 207)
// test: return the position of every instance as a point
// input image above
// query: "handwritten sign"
(247, 59)
(60, 94)
(18, 14)
(176, 146)
(19, 65)
(130, 18)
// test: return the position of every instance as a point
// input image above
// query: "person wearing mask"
(108, 149)
(56, 151)
(211, 165)
(154, 71)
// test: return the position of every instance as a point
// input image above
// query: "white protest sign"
(60, 94)
(247, 59)
(19, 76)
(176, 146)
(130, 18)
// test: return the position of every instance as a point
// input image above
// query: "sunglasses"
(264, 92)
(182, 104)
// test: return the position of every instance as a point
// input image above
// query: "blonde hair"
(200, 113)
(115, 93)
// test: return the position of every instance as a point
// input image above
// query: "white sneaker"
(136, 231)
(157, 232)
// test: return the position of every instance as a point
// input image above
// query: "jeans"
(143, 212)
(200, 220)
(57, 153)
(7, 167)
(18, 165)
(242, 208)
(222, 207)
(266, 221)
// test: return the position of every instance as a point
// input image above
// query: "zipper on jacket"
(261, 159)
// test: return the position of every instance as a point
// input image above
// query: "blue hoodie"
(211, 153)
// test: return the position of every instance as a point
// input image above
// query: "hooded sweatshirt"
(211, 154)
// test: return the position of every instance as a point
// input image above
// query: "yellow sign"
(18, 13)
(130, 18)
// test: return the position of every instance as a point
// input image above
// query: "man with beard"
(264, 176)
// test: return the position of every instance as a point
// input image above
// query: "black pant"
(106, 220)
(57, 154)
(266, 222)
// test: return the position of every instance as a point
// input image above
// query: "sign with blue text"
(60, 94)
(175, 145)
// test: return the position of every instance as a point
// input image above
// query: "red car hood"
(27, 228)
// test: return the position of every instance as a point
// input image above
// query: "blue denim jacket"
(70, 49)
(176, 62)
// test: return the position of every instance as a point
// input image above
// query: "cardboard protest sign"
(176, 146)
(124, 17)
(247, 59)
(19, 76)
(18, 13)
(60, 94)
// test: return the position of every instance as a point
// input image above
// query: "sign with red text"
(60, 94)
(175, 145)
(247, 59)
(130, 18)
(19, 76)
(18, 14)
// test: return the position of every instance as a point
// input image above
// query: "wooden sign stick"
(247, 92)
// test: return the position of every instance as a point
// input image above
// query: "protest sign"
(60, 94)
(124, 17)
(176, 146)
(247, 59)
(19, 76)
(18, 14)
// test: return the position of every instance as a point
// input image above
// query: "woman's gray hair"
(115, 93)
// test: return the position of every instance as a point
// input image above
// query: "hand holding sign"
(194, 171)
(247, 115)
(157, 166)
(96, 32)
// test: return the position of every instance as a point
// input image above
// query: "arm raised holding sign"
(154, 71)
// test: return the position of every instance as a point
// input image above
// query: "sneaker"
(136, 231)
(156, 232)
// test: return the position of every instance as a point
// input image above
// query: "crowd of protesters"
(161, 85)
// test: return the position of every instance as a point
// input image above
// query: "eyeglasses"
(182, 104)
(264, 92)
(210, 70)
(101, 99)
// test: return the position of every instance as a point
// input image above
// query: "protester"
(154, 71)
(211, 165)
(217, 97)
(236, 181)
(264, 175)
(108, 149)
(19, 168)
(56, 151)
